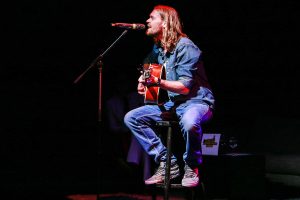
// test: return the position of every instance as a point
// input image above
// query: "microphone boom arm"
(98, 62)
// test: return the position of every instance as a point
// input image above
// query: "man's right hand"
(141, 85)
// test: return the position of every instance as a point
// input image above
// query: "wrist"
(158, 81)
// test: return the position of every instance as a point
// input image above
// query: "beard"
(151, 33)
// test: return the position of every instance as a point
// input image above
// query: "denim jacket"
(184, 64)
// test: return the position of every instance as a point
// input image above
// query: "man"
(189, 93)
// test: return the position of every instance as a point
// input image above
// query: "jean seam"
(142, 130)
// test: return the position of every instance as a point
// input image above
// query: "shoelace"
(189, 173)
(160, 170)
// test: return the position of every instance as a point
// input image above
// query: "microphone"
(129, 26)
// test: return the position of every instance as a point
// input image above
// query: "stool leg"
(203, 191)
(168, 163)
(193, 194)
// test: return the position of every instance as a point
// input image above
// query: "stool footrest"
(173, 185)
(166, 123)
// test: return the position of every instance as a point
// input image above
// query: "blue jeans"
(141, 121)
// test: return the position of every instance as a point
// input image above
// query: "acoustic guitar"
(154, 94)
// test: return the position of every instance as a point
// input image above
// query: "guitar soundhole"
(147, 74)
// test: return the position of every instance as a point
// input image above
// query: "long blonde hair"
(173, 31)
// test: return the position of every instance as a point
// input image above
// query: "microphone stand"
(99, 63)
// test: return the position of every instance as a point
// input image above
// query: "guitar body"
(154, 94)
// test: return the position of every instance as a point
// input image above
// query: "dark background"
(50, 130)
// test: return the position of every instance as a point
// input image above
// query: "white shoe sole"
(189, 184)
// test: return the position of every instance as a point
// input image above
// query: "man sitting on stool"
(189, 93)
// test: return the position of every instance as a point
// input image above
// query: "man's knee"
(128, 118)
(190, 125)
